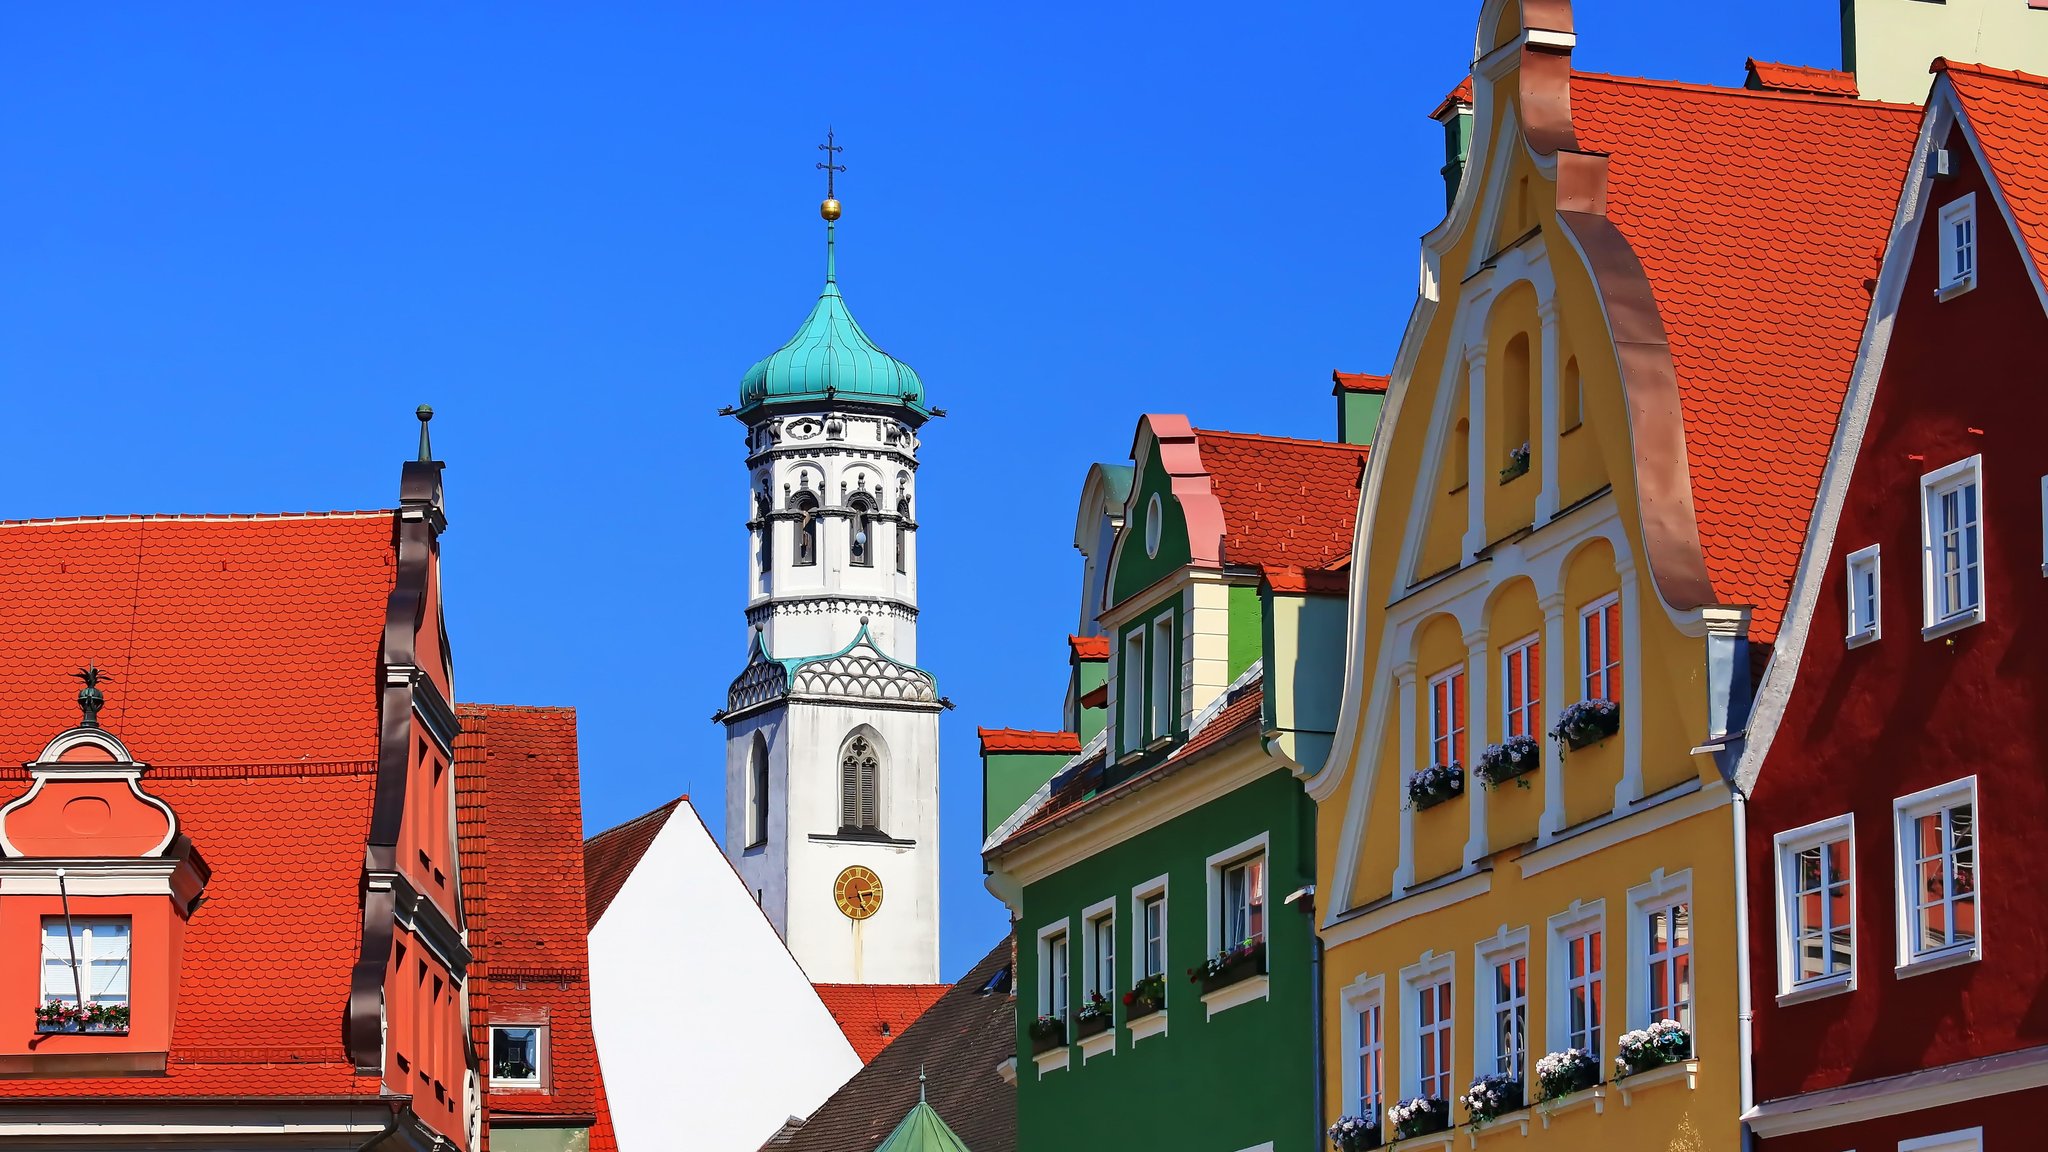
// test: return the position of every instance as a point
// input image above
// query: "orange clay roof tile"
(998, 740)
(1758, 216)
(1290, 503)
(872, 1015)
(2009, 113)
(1800, 78)
(1089, 647)
(610, 857)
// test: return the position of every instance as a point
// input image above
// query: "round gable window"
(1152, 527)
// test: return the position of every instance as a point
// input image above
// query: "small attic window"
(1958, 244)
(1152, 526)
(518, 1055)
(85, 957)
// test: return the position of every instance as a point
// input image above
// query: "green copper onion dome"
(830, 358)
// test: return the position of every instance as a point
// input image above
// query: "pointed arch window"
(860, 770)
(762, 507)
(903, 534)
(757, 793)
(860, 531)
(806, 506)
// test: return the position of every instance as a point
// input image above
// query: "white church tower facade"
(832, 728)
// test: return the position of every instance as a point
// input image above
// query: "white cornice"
(1910, 1092)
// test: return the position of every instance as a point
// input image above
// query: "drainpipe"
(1745, 1016)
(1305, 899)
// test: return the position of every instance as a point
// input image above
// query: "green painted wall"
(1358, 415)
(505, 1139)
(1009, 778)
(1088, 675)
(1247, 634)
(1233, 1082)
(1136, 571)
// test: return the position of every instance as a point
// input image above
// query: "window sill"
(1007, 1070)
(1596, 1096)
(1866, 636)
(1101, 1044)
(1435, 1141)
(1953, 624)
(1243, 992)
(1951, 291)
(1159, 742)
(1936, 961)
(1153, 1024)
(1057, 1060)
(1686, 1070)
(861, 838)
(61, 1030)
(1516, 1121)
(1817, 990)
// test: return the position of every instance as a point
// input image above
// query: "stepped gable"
(1759, 218)
(1290, 503)
(2008, 111)
(538, 965)
(873, 1015)
(240, 654)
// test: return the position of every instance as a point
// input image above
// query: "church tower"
(832, 730)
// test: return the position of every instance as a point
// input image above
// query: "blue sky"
(238, 243)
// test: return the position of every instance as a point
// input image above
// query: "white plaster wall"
(709, 1033)
(763, 870)
(900, 943)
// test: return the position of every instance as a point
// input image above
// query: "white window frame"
(89, 955)
(1504, 948)
(1933, 486)
(2044, 525)
(1161, 678)
(539, 1080)
(1367, 993)
(1059, 931)
(1457, 736)
(1958, 276)
(1861, 630)
(1610, 670)
(1429, 972)
(1131, 681)
(1091, 958)
(1661, 891)
(1528, 653)
(1961, 1140)
(1788, 846)
(1141, 894)
(1910, 959)
(1566, 926)
(1229, 858)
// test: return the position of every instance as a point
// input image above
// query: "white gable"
(705, 1024)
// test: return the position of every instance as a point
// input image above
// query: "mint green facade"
(1233, 1082)
(1009, 778)
(508, 1139)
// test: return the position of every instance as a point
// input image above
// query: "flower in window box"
(1511, 759)
(1518, 463)
(1419, 1117)
(1095, 1016)
(1586, 722)
(1491, 1097)
(1355, 1133)
(1047, 1033)
(1665, 1042)
(1145, 997)
(1436, 784)
(1566, 1072)
(1231, 966)
(55, 1015)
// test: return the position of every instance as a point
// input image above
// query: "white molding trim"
(1434, 897)
(1926, 802)
(1895, 1095)
(1103, 1043)
(1503, 945)
(1784, 846)
(1686, 1070)
(1960, 1140)
(1362, 993)
(1056, 1060)
(1243, 992)
(1967, 472)
(1651, 814)
(1575, 920)
(1432, 969)
(1146, 1026)
(1259, 845)
(1659, 890)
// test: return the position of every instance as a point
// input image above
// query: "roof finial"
(90, 698)
(426, 413)
(830, 208)
(920, 1083)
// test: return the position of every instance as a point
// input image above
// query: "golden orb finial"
(829, 209)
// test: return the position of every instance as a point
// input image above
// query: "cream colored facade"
(1889, 43)
(1457, 568)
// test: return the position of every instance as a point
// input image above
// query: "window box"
(1048, 1033)
(1515, 757)
(1093, 1023)
(1561, 1074)
(1419, 1117)
(1491, 1097)
(1436, 784)
(1587, 722)
(1662, 1043)
(1233, 967)
(1518, 464)
(1355, 1134)
(57, 1016)
(1148, 997)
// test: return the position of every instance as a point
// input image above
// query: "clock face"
(858, 892)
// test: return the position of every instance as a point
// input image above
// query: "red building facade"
(1897, 877)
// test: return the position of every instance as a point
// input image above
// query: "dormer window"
(85, 962)
(518, 1056)
(1958, 244)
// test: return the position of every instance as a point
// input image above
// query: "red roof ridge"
(1743, 93)
(1462, 94)
(225, 517)
(1944, 64)
(610, 856)
(1359, 381)
(1089, 647)
(1027, 740)
(1336, 445)
(1776, 77)
(496, 709)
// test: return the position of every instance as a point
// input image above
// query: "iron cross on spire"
(829, 164)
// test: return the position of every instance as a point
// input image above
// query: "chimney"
(1455, 114)
(1360, 396)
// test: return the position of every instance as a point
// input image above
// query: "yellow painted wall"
(1514, 408)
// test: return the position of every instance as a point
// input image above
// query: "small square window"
(518, 1055)
(1958, 234)
(1863, 614)
(1952, 537)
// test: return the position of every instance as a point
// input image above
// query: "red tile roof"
(1285, 502)
(1757, 216)
(1089, 647)
(1321, 581)
(1459, 97)
(472, 848)
(1800, 78)
(539, 964)
(997, 740)
(241, 652)
(610, 856)
(872, 1015)
(1358, 382)
(2009, 113)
